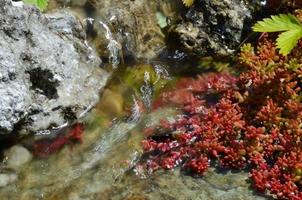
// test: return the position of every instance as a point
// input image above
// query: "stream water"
(102, 166)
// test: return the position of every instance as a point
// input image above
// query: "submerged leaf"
(291, 26)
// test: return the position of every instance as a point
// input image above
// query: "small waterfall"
(113, 46)
(147, 91)
(118, 133)
(161, 73)
(148, 88)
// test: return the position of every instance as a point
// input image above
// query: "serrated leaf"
(287, 40)
(277, 23)
(41, 4)
(291, 26)
(188, 3)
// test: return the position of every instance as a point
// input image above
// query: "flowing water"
(102, 166)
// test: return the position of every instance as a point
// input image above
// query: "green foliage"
(247, 48)
(41, 4)
(210, 63)
(288, 24)
(144, 75)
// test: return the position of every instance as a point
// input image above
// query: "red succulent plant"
(250, 121)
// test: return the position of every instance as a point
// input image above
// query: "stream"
(103, 165)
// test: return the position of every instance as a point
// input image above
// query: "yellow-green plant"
(41, 4)
(289, 25)
(188, 3)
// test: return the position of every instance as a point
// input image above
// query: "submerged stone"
(17, 156)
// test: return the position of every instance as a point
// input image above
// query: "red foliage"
(253, 121)
(45, 147)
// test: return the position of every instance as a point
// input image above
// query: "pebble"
(17, 156)
(6, 179)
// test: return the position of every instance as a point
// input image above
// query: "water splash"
(118, 133)
(162, 72)
(147, 91)
(113, 46)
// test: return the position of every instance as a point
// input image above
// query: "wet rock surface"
(136, 31)
(209, 27)
(214, 27)
(133, 27)
(45, 67)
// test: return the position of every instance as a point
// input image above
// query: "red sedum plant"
(251, 121)
(45, 147)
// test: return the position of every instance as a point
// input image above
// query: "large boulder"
(49, 76)
(214, 27)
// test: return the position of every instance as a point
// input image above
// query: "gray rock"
(214, 27)
(17, 156)
(48, 74)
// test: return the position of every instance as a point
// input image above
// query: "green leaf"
(41, 4)
(287, 40)
(288, 24)
(277, 23)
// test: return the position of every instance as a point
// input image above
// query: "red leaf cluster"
(252, 121)
(45, 147)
